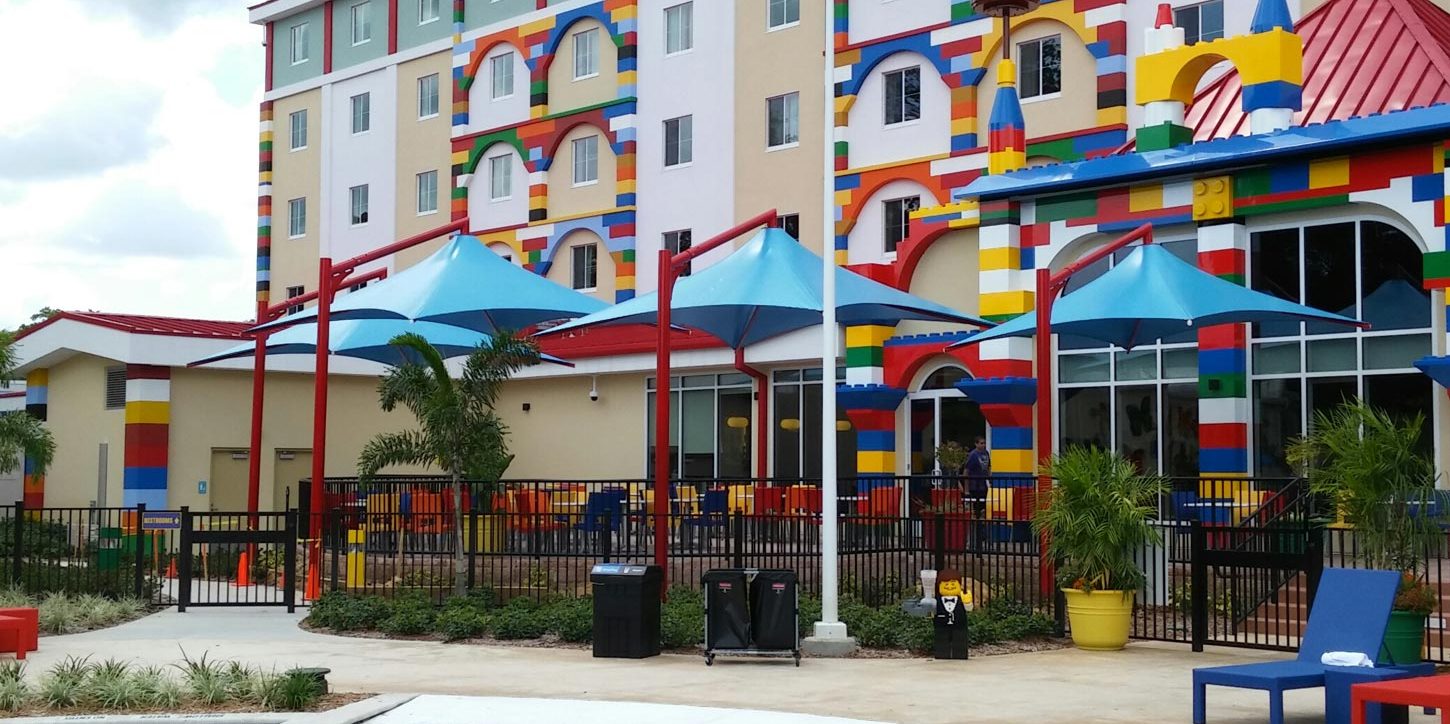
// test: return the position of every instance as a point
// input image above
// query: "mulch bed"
(325, 703)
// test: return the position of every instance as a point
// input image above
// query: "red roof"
(1361, 57)
(165, 326)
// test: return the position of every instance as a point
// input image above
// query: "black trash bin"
(773, 621)
(626, 610)
(727, 609)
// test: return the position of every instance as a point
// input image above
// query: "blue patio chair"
(714, 509)
(600, 511)
(1182, 505)
(1350, 612)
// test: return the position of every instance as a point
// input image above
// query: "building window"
(296, 218)
(1202, 22)
(299, 43)
(362, 114)
(782, 116)
(428, 11)
(427, 192)
(679, 28)
(428, 96)
(796, 426)
(584, 272)
(115, 388)
(293, 293)
(712, 413)
(1143, 404)
(501, 72)
(903, 95)
(679, 141)
(358, 196)
(586, 54)
(676, 242)
(1041, 69)
(297, 125)
(791, 224)
(783, 13)
(362, 23)
(500, 178)
(586, 160)
(898, 220)
(357, 287)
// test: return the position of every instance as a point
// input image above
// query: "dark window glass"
(1180, 426)
(1085, 417)
(736, 432)
(1138, 426)
(1274, 269)
(1393, 279)
(1403, 397)
(1277, 420)
(1329, 273)
(787, 430)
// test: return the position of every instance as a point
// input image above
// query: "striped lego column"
(264, 206)
(864, 358)
(1004, 288)
(1163, 125)
(871, 409)
(148, 419)
(1223, 400)
(1271, 102)
(37, 405)
(1006, 129)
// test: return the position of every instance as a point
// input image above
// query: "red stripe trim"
(327, 37)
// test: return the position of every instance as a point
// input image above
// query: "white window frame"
(424, 7)
(497, 64)
(293, 293)
(787, 100)
(423, 84)
(671, 242)
(785, 6)
(358, 205)
(294, 129)
(586, 49)
(366, 17)
(587, 163)
(501, 164)
(684, 15)
(899, 75)
(1022, 69)
(361, 106)
(905, 222)
(684, 141)
(297, 218)
(427, 203)
(590, 270)
(299, 33)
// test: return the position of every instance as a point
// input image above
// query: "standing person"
(979, 472)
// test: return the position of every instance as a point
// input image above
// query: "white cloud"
(128, 177)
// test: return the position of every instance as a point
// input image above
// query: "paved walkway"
(1145, 683)
(435, 709)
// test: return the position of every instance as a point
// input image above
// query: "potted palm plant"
(1095, 519)
(1370, 467)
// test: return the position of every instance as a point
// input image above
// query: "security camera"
(594, 395)
(593, 389)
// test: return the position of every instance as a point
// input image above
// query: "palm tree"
(458, 428)
(21, 434)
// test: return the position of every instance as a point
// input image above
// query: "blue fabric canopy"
(367, 339)
(465, 285)
(766, 288)
(1153, 294)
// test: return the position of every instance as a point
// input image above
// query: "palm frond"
(496, 359)
(407, 447)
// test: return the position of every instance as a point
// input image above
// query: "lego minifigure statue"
(950, 621)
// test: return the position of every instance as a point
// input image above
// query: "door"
(940, 413)
(227, 488)
(292, 466)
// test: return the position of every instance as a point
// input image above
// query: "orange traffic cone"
(171, 568)
(244, 570)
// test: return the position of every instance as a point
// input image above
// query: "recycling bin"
(626, 610)
(773, 621)
(727, 609)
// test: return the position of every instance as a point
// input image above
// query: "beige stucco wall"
(947, 274)
(295, 174)
(566, 199)
(565, 93)
(561, 272)
(769, 64)
(564, 435)
(423, 145)
(78, 418)
(1074, 109)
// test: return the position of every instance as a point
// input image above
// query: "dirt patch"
(326, 703)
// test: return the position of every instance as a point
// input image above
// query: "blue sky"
(128, 162)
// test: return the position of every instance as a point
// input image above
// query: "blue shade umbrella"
(766, 288)
(464, 284)
(367, 339)
(1153, 294)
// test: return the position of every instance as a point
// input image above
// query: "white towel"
(1346, 658)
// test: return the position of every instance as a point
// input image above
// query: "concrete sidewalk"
(1145, 683)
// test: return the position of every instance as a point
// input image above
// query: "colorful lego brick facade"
(264, 205)
(37, 405)
(148, 422)
(537, 140)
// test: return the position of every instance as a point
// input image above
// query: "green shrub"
(14, 693)
(518, 622)
(572, 619)
(682, 618)
(291, 691)
(459, 622)
(409, 615)
(348, 612)
(41, 539)
(810, 613)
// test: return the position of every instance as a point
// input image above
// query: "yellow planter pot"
(1100, 619)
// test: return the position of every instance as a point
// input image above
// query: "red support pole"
(319, 390)
(1045, 293)
(662, 416)
(254, 450)
(762, 410)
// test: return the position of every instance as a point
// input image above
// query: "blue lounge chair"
(1350, 612)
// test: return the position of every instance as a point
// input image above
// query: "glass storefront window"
(1180, 430)
(1137, 425)
(1083, 417)
(1138, 365)
(1180, 364)
(1276, 358)
(1333, 355)
(710, 416)
(1392, 277)
(1083, 368)
(1329, 273)
(1395, 353)
(1278, 418)
(797, 427)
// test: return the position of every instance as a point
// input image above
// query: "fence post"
(470, 542)
(939, 542)
(139, 575)
(183, 579)
(1059, 610)
(289, 561)
(18, 546)
(737, 533)
(1198, 586)
(606, 533)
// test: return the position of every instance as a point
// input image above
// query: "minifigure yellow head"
(949, 583)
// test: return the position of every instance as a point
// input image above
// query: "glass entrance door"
(940, 413)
